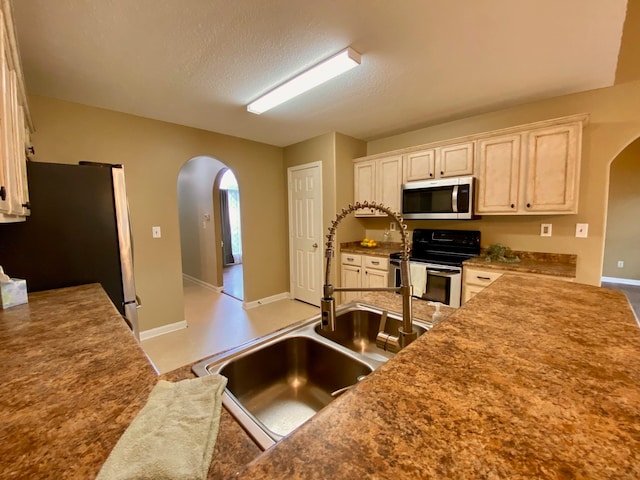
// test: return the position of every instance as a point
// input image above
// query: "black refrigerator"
(78, 232)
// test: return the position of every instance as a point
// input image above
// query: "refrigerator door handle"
(138, 302)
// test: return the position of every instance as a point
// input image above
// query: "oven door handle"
(440, 273)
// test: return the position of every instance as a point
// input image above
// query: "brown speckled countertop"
(552, 264)
(384, 249)
(527, 380)
(393, 302)
(72, 380)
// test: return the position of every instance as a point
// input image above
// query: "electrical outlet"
(392, 226)
(545, 229)
(155, 232)
(620, 263)
(582, 230)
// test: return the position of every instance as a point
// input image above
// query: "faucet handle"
(383, 321)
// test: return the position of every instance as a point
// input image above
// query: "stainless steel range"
(436, 263)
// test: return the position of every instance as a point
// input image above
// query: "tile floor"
(233, 281)
(217, 322)
(631, 291)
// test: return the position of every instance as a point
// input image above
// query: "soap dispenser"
(438, 316)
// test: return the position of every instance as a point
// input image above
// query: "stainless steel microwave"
(446, 198)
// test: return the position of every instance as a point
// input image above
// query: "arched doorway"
(199, 213)
(621, 260)
(231, 235)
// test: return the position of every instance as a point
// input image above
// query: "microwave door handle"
(454, 199)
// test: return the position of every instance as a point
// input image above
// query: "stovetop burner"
(444, 247)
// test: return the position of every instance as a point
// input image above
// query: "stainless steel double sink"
(278, 382)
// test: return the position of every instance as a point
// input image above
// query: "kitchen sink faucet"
(406, 333)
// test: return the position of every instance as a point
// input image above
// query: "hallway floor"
(217, 322)
(233, 281)
(631, 291)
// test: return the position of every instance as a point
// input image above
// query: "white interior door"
(305, 231)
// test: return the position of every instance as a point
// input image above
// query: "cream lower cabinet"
(362, 271)
(379, 181)
(474, 280)
(530, 173)
(376, 272)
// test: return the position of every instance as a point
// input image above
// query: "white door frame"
(319, 227)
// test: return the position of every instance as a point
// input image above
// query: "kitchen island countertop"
(526, 381)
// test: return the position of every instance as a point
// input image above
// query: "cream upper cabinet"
(498, 172)
(378, 181)
(364, 175)
(14, 127)
(447, 161)
(419, 166)
(530, 173)
(553, 169)
(455, 160)
(531, 169)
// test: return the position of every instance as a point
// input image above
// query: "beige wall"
(336, 152)
(628, 68)
(614, 123)
(623, 228)
(153, 153)
(197, 235)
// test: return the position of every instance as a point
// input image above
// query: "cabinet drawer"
(480, 277)
(351, 259)
(470, 291)
(379, 263)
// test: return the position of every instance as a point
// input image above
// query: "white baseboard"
(621, 281)
(156, 332)
(202, 284)
(264, 301)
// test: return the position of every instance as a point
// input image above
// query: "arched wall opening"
(200, 222)
(621, 260)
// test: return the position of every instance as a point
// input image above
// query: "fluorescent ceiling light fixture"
(324, 71)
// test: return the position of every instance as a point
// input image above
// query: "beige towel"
(418, 278)
(173, 435)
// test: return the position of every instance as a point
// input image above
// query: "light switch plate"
(545, 229)
(582, 230)
(155, 232)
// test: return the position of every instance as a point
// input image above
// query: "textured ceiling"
(199, 62)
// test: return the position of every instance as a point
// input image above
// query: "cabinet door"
(389, 179)
(375, 279)
(364, 175)
(419, 166)
(498, 173)
(5, 138)
(553, 169)
(455, 160)
(350, 277)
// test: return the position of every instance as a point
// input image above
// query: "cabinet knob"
(315, 245)
(512, 205)
(431, 174)
(528, 205)
(27, 205)
(441, 172)
(3, 193)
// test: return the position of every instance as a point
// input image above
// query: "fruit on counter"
(368, 243)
